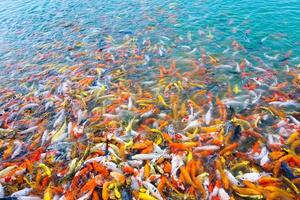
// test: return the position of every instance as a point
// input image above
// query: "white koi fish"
(231, 178)
(176, 163)
(23, 192)
(2, 193)
(192, 124)
(153, 190)
(252, 176)
(208, 114)
(275, 57)
(223, 195)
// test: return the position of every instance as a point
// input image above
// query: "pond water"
(179, 99)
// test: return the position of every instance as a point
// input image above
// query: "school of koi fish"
(126, 121)
(96, 133)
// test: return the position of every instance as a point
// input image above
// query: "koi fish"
(192, 124)
(207, 148)
(253, 176)
(176, 163)
(275, 57)
(232, 179)
(153, 190)
(223, 195)
(148, 156)
(23, 192)
(2, 193)
(285, 103)
(5, 171)
(48, 194)
(29, 198)
(145, 196)
(208, 114)
(60, 134)
(264, 39)
(18, 149)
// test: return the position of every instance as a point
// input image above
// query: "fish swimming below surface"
(148, 100)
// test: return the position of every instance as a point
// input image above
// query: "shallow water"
(31, 29)
(215, 84)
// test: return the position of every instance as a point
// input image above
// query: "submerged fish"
(137, 114)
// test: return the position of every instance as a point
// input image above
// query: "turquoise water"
(206, 88)
(37, 33)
